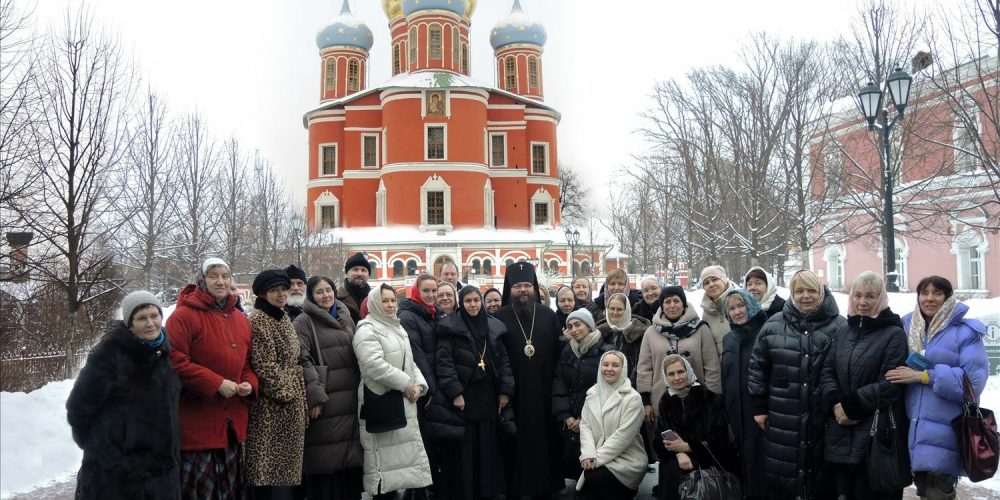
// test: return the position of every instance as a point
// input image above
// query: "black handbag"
(888, 463)
(710, 483)
(383, 412)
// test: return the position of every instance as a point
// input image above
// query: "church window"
(456, 47)
(465, 58)
(498, 150)
(411, 267)
(487, 266)
(540, 158)
(396, 65)
(331, 74)
(435, 208)
(412, 43)
(510, 73)
(369, 144)
(533, 72)
(398, 269)
(434, 42)
(435, 142)
(541, 214)
(329, 159)
(964, 137)
(328, 216)
(353, 72)
(476, 264)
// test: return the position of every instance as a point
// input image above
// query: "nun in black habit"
(533, 456)
(474, 374)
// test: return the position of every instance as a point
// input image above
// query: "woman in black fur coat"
(123, 410)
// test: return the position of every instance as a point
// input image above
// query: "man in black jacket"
(355, 287)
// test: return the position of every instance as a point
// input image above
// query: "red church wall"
(357, 205)
(510, 203)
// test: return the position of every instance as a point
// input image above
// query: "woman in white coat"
(393, 460)
(611, 452)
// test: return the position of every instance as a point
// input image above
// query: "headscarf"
(199, 278)
(921, 332)
(753, 307)
(692, 378)
(772, 285)
(479, 324)
(626, 320)
(809, 276)
(561, 316)
(376, 314)
(457, 300)
(415, 297)
(606, 389)
(868, 278)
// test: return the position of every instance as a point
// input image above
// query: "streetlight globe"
(899, 88)
(870, 97)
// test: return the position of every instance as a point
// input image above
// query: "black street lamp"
(572, 237)
(297, 226)
(871, 98)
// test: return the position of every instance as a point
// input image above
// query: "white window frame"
(542, 197)
(397, 58)
(966, 162)
(504, 136)
(507, 74)
(357, 81)
(412, 46)
(833, 158)
(378, 151)
(533, 76)
(435, 183)
(489, 210)
(336, 159)
(456, 47)
(531, 158)
(330, 80)
(327, 199)
(836, 268)
(427, 127)
(430, 48)
(902, 264)
(961, 244)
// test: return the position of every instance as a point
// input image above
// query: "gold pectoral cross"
(482, 364)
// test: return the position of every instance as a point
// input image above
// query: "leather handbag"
(888, 463)
(383, 412)
(976, 431)
(710, 483)
(321, 369)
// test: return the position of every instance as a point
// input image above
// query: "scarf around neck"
(921, 333)
(580, 348)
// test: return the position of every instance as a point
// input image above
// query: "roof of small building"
(412, 235)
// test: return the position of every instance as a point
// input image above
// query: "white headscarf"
(626, 320)
(606, 389)
(376, 314)
(692, 378)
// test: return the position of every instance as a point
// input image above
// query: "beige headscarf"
(868, 280)
(626, 319)
(916, 337)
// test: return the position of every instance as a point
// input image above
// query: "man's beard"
(296, 300)
(524, 304)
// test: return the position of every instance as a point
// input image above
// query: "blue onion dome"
(345, 29)
(517, 28)
(459, 7)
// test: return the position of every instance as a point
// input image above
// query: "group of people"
(330, 388)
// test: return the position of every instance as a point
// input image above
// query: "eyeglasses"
(522, 286)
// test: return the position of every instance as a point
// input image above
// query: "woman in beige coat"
(611, 452)
(676, 330)
(716, 284)
(393, 460)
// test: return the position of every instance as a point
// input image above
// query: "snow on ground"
(36, 446)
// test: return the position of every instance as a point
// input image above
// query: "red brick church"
(432, 164)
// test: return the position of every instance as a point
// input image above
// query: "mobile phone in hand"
(669, 435)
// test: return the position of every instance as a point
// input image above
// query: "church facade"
(433, 165)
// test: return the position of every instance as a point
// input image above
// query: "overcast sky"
(251, 67)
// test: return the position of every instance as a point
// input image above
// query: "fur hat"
(135, 300)
(358, 259)
(269, 279)
(294, 273)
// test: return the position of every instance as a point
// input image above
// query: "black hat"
(518, 272)
(269, 279)
(294, 273)
(358, 259)
(673, 291)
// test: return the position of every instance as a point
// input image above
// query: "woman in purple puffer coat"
(953, 345)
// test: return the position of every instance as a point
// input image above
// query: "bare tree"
(270, 220)
(233, 193)
(18, 109)
(83, 86)
(196, 166)
(574, 198)
(147, 206)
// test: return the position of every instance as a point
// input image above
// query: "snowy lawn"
(36, 447)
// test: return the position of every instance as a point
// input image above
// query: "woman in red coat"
(210, 349)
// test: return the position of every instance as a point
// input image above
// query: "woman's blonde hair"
(807, 279)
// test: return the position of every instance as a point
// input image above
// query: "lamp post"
(871, 98)
(572, 237)
(297, 226)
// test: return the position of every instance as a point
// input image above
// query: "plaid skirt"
(214, 474)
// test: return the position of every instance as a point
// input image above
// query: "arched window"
(456, 47)
(834, 257)
(969, 248)
(374, 267)
(331, 74)
(576, 268)
(475, 266)
(507, 263)
(396, 64)
(554, 266)
(413, 46)
(397, 269)
(585, 268)
(487, 266)
(411, 267)
(353, 75)
(533, 71)
(510, 73)
(434, 42)
(465, 58)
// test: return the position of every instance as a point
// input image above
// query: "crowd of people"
(328, 389)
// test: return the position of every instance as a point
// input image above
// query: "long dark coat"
(332, 441)
(123, 411)
(533, 460)
(699, 420)
(737, 346)
(854, 376)
(784, 379)
(457, 358)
